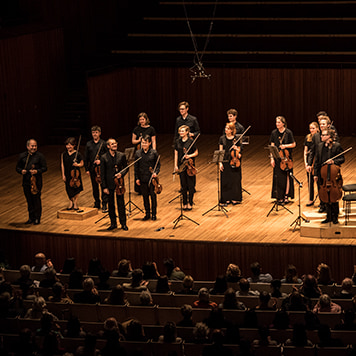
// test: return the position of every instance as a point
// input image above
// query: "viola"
(286, 162)
(235, 152)
(191, 170)
(155, 181)
(119, 186)
(97, 174)
(34, 189)
(75, 172)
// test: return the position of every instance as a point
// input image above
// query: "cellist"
(113, 164)
(71, 162)
(32, 163)
(143, 175)
(182, 155)
(282, 137)
(324, 153)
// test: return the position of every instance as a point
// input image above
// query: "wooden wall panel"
(260, 94)
(32, 71)
(204, 260)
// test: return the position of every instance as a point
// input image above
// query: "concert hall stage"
(203, 250)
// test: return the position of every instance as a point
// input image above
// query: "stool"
(348, 199)
(349, 188)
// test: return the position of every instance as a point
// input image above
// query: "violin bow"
(127, 166)
(240, 137)
(97, 154)
(76, 153)
(350, 148)
(28, 156)
(154, 169)
(189, 148)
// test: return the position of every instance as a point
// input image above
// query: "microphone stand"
(298, 220)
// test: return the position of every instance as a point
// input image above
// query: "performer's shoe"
(105, 208)
(335, 221)
(236, 202)
(185, 207)
(124, 227)
(97, 206)
(112, 227)
(36, 222)
(189, 207)
(310, 204)
(326, 221)
(322, 210)
(147, 217)
(29, 221)
(154, 217)
(280, 202)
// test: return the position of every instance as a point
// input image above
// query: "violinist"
(112, 163)
(324, 154)
(94, 149)
(71, 162)
(182, 157)
(232, 117)
(186, 119)
(283, 138)
(308, 148)
(31, 164)
(144, 176)
(231, 190)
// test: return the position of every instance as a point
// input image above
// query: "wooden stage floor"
(246, 223)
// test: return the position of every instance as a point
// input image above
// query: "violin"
(155, 181)
(286, 162)
(97, 167)
(235, 152)
(119, 184)
(34, 189)
(75, 172)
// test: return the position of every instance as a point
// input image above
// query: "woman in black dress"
(308, 147)
(231, 190)
(71, 161)
(283, 138)
(142, 129)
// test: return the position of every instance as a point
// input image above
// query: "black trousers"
(120, 207)
(34, 204)
(147, 192)
(187, 184)
(332, 211)
(96, 194)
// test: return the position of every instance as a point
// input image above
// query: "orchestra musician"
(183, 158)
(186, 119)
(282, 137)
(308, 148)
(144, 176)
(142, 129)
(71, 162)
(324, 154)
(31, 164)
(232, 117)
(94, 149)
(113, 164)
(230, 183)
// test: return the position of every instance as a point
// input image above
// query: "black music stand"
(298, 220)
(218, 157)
(129, 153)
(245, 141)
(273, 150)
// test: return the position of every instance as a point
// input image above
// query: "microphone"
(300, 183)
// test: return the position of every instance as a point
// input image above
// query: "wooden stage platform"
(247, 234)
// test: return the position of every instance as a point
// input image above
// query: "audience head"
(291, 274)
(244, 285)
(149, 270)
(324, 273)
(57, 289)
(39, 304)
(137, 277)
(162, 285)
(201, 333)
(110, 324)
(233, 272)
(186, 311)
(324, 301)
(217, 337)
(346, 284)
(124, 267)
(88, 284)
(117, 295)
(264, 297)
(170, 332)
(134, 331)
(146, 298)
(25, 271)
(255, 268)
(220, 284)
(230, 301)
(69, 265)
(169, 264)
(188, 282)
(203, 295)
(95, 267)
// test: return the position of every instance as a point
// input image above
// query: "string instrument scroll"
(75, 172)
(235, 152)
(155, 180)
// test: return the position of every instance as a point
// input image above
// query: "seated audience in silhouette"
(326, 305)
(346, 289)
(41, 263)
(291, 275)
(324, 275)
(245, 290)
(299, 338)
(117, 296)
(169, 334)
(89, 295)
(163, 285)
(233, 273)
(220, 286)
(325, 339)
(204, 299)
(137, 281)
(187, 313)
(173, 272)
(124, 269)
(310, 288)
(257, 276)
(188, 285)
(231, 302)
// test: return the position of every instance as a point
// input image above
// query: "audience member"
(325, 339)
(201, 333)
(103, 281)
(276, 289)
(134, 331)
(217, 347)
(41, 263)
(257, 276)
(25, 281)
(188, 285)
(220, 285)
(146, 298)
(348, 321)
(50, 278)
(324, 275)
(187, 313)
(173, 271)
(169, 334)
(264, 302)
(245, 290)
(124, 269)
(89, 295)
(233, 273)
(137, 281)
(231, 302)
(74, 328)
(310, 287)
(204, 299)
(68, 266)
(89, 347)
(281, 320)
(265, 338)
(75, 279)
(117, 296)
(346, 289)
(150, 270)
(299, 338)
(39, 307)
(59, 294)
(295, 302)
(163, 286)
(326, 305)
(291, 275)
(95, 267)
